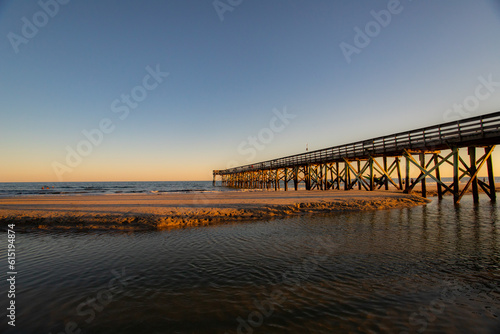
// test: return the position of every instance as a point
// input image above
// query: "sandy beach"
(164, 211)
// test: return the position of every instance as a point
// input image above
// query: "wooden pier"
(355, 165)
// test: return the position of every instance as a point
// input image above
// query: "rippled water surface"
(432, 269)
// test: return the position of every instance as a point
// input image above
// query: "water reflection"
(433, 268)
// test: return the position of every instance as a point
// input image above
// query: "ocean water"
(75, 188)
(90, 188)
(427, 269)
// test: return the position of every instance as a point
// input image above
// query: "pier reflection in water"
(433, 269)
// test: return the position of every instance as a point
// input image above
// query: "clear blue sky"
(228, 68)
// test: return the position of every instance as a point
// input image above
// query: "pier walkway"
(358, 164)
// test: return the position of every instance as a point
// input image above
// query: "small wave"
(184, 190)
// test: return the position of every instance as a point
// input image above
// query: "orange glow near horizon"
(24, 171)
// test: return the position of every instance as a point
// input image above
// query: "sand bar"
(163, 211)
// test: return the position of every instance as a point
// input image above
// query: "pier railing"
(474, 131)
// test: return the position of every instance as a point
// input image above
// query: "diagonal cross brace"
(428, 173)
(358, 176)
(384, 172)
(483, 158)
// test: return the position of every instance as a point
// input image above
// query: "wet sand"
(164, 211)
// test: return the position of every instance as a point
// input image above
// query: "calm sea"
(89, 188)
(427, 269)
(72, 188)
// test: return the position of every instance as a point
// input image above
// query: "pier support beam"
(307, 176)
(473, 171)
(398, 167)
(386, 180)
(325, 180)
(358, 175)
(286, 179)
(460, 170)
(407, 175)
(456, 175)
(329, 175)
(347, 176)
(422, 163)
(296, 178)
(387, 172)
(491, 178)
(337, 171)
(438, 176)
(424, 170)
(359, 169)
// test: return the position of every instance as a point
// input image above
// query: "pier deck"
(355, 164)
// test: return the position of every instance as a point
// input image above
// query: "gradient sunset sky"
(176, 88)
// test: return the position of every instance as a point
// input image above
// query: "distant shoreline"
(176, 210)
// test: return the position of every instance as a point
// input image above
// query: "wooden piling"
(321, 169)
(473, 172)
(456, 175)
(407, 176)
(438, 177)
(386, 181)
(398, 167)
(491, 177)
(422, 163)
(359, 170)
